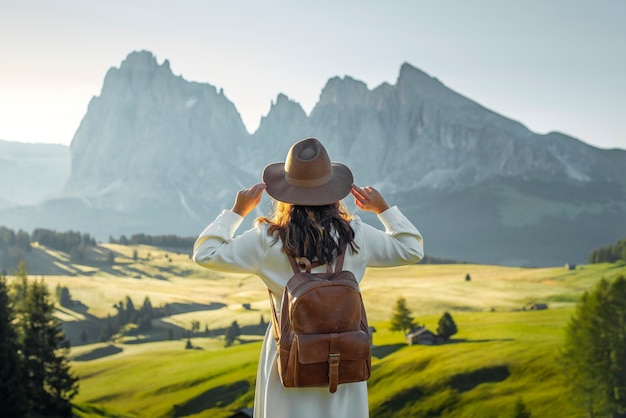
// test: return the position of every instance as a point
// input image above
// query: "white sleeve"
(218, 249)
(400, 243)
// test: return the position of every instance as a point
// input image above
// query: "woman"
(309, 221)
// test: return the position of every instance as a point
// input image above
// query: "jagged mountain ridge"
(432, 136)
(158, 154)
(151, 138)
(440, 138)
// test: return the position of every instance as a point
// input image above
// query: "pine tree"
(195, 327)
(146, 308)
(107, 330)
(146, 313)
(447, 326)
(20, 287)
(617, 337)
(401, 319)
(594, 351)
(131, 313)
(49, 384)
(22, 240)
(232, 333)
(11, 399)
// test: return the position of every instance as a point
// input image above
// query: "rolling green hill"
(502, 352)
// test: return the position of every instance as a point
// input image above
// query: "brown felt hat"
(308, 177)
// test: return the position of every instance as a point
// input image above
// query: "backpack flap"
(331, 359)
(315, 348)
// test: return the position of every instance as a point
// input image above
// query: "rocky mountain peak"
(343, 91)
(148, 128)
(136, 73)
(285, 122)
(284, 103)
(282, 112)
(140, 60)
(412, 75)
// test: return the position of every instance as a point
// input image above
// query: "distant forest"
(14, 245)
(161, 241)
(610, 254)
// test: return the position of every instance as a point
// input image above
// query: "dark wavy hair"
(315, 232)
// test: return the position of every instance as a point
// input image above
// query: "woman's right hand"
(369, 199)
(248, 199)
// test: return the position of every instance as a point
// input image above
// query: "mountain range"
(158, 154)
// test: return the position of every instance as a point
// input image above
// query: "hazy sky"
(555, 65)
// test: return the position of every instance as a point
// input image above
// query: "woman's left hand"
(248, 199)
(369, 199)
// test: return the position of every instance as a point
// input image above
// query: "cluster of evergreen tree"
(161, 241)
(610, 254)
(594, 350)
(13, 246)
(62, 241)
(140, 320)
(35, 376)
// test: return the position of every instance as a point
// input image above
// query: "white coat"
(217, 248)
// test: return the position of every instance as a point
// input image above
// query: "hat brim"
(333, 191)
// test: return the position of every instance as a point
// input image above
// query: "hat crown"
(307, 177)
(307, 163)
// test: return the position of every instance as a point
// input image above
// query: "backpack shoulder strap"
(275, 322)
(339, 261)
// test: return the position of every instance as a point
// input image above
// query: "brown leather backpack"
(322, 335)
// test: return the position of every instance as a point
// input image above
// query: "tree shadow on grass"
(382, 351)
(257, 329)
(399, 400)
(97, 353)
(220, 396)
(464, 382)
(180, 308)
(466, 341)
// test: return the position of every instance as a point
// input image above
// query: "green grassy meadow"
(502, 352)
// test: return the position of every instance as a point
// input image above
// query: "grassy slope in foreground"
(495, 358)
